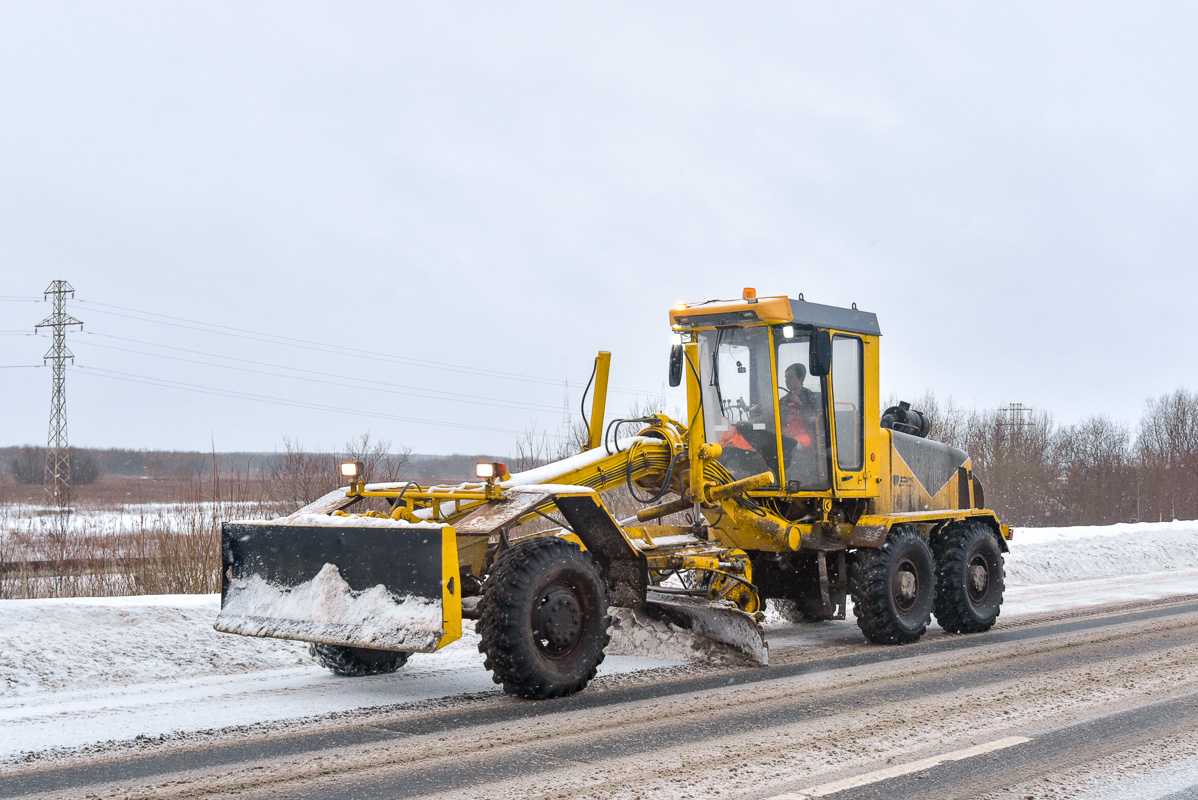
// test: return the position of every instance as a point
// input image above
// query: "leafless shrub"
(297, 477)
(28, 465)
(84, 470)
(147, 549)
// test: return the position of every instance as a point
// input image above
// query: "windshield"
(738, 398)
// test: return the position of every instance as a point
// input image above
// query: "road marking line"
(904, 769)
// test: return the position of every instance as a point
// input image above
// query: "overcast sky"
(502, 189)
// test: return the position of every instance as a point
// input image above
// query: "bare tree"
(949, 422)
(379, 463)
(536, 448)
(1099, 478)
(1167, 455)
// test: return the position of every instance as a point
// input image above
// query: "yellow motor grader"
(791, 483)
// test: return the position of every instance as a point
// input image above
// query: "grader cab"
(788, 485)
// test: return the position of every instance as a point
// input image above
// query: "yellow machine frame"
(857, 511)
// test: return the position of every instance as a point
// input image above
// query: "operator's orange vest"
(792, 425)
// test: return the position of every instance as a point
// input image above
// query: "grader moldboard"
(790, 488)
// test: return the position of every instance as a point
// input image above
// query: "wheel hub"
(557, 620)
(977, 579)
(906, 586)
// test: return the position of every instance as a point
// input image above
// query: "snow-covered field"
(75, 673)
(24, 519)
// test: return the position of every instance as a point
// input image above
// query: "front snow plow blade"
(382, 586)
(719, 621)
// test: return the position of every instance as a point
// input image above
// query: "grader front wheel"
(544, 620)
(892, 588)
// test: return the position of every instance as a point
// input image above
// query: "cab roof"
(774, 310)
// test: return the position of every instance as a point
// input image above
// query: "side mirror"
(820, 357)
(676, 357)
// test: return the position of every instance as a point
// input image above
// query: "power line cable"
(307, 344)
(423, 391)
(239, 395)
(324, 347)
(473, 400)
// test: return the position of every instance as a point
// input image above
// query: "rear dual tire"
(969, 577)
(798, 613)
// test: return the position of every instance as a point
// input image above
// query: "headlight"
(490, 470)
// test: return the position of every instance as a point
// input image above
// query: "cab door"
(847, 385)
(804, 436)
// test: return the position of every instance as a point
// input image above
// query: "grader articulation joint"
(796, 492)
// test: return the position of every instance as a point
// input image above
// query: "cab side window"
(848, 387)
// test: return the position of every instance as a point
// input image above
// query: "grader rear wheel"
(892, 588)
(357, 662)
(544, 620)
(969, 578)
(798, 612)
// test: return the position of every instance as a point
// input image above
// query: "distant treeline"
(1096, 472)
(15, 461)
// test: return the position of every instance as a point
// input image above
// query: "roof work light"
(352, 469)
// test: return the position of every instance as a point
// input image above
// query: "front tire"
(969, 578)
(892, 588)
(357, 662)
(544, 619)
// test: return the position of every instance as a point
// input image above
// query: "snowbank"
(1051, 555)
(78, 643)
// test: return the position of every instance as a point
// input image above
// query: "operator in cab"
(797, 406)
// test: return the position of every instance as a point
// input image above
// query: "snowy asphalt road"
(1042, 759)
(1099, 696)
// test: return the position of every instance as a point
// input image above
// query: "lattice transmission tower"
(1015, 421)
(58, 459)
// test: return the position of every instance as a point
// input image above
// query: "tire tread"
(501, 630)
(869, 585)
(952, 605)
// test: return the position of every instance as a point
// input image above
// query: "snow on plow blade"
(378, 586)
(719, 622)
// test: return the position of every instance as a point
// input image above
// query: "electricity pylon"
(58, 461)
